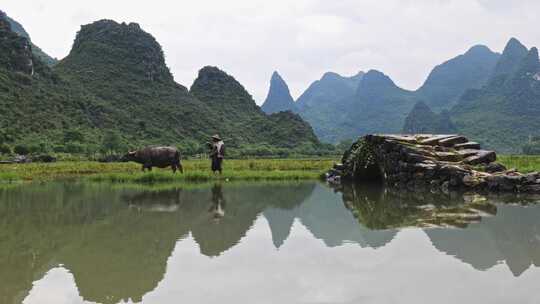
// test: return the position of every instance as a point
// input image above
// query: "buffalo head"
(130, 156)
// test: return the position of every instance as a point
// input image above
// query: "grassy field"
(194, 170)
(198, 170)
(523, 163)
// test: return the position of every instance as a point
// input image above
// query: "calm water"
(260, 243)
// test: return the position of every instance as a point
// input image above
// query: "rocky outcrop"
(435, 162)
(37, 51)
(15, 51)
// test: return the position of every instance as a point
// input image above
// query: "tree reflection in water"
(492, 228)
(116, 241)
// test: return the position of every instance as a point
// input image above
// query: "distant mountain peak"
(377, 75)
(324, 95)
(216, 81)
(448, 81)
(514, 43)
(279, 97)
(514, 52)
(479, 49)
(213, 73)
(277, 80)
(107, 43)
(222, 91)
(422, 119)
(533, 53)
(374, 79)
(530, 65)
(330, 76)
(358, 75)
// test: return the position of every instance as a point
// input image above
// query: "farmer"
(217, 153)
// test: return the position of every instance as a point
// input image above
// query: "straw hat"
(216, 137)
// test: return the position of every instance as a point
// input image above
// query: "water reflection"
(495, 228)
(218, 202)
(378, 207)
(513, 237)
(117, 243)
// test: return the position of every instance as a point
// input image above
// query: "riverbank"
(194, 170)
(198, 170)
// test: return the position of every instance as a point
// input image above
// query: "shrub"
(21, 150)
(73, 135)
(5, 149)
(74, 148)
(59, 149)
(38, 148)
(112, 142)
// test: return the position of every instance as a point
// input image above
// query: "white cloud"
(302, 39)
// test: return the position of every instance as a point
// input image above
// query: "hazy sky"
(301, 39)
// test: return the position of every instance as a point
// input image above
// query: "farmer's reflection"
(217, 209)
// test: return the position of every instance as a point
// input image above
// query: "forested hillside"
(115, 90)
(422, 120)
(341, 108)
(504, 113)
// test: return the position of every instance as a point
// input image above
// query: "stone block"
(434, 140)
(468, 145)
(451, 141)
(481, 157)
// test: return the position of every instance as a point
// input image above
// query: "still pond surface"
(261, 243)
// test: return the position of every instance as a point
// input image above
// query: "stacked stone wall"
(425, 161)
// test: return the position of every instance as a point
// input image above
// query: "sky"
(301, 39)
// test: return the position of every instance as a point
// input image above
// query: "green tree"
(112, 142)
(73, 135)
(74, 148)
(21, 150)
(5, 149)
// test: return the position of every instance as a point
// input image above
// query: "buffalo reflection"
(116, 242)
(154, 201)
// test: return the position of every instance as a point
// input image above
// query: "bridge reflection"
(116, 241)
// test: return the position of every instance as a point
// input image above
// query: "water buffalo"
(161, 157)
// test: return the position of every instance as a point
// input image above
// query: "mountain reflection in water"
(118, 244)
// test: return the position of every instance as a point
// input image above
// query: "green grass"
(194, 170)
(524, 163)
(199, 170)
(9, 177)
